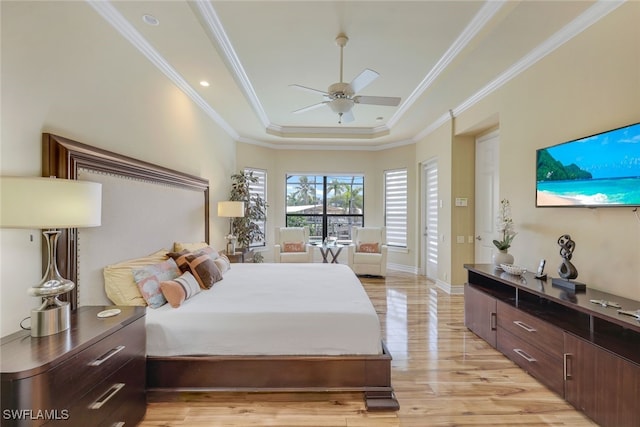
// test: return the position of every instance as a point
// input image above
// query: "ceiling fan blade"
(390, 101)
(347, 117)
(310, 89)
(363, 80)
(310, 107)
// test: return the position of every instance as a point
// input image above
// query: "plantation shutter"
(259, 188)
(395, 207)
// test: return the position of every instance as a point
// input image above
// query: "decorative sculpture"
(567, 270)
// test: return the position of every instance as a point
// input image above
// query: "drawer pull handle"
(118, 424)
(566, 359)
(524, 326)
(108, 355)
(106, 396)
(493, 322)
(524, 355)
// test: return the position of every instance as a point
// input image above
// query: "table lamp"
(49, 204)
(231, 209)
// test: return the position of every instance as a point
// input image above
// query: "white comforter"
(270, 309)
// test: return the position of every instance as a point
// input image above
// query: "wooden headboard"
(145, 208)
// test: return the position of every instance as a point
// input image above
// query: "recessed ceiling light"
(150, 19)
(204, 83)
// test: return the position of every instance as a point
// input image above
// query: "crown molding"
(592, 15)
(479, 21)
(216, 30)
(327, 132)
(589, 17)
(117, 21)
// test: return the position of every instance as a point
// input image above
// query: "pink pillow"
(293, 247)
(370, 248)
(180, 289)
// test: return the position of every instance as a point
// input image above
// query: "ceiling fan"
(341, 97)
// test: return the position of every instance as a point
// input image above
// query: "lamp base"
(50, 318)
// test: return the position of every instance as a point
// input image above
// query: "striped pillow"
(180, 289)
(200, 264)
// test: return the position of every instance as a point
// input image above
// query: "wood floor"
(443, 375)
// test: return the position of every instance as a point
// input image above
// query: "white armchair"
(368, 252)
(292, 245)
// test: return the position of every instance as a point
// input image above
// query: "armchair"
(368, 252)
(292, 245)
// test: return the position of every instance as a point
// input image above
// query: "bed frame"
(168, 376)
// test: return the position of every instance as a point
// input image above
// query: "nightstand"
(91, 374)
(235, 257)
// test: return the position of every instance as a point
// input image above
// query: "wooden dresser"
(91, 374)
(585, 352)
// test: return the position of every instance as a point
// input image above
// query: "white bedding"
(270, 309)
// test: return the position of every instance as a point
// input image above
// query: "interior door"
(487, 195)
(430, 218)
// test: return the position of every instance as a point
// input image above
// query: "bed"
(338, 347)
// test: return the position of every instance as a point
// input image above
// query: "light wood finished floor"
(442, 373)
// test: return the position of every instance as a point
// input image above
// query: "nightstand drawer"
(531, 329)
(540, 364)
(92, 365)
(118, 398)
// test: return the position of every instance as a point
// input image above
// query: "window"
(328, 205)
(395, 207)
(258, 189)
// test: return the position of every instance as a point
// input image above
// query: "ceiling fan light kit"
(341, 96)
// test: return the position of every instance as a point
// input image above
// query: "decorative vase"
(502, 257)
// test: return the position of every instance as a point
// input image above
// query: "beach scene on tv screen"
(600, 170)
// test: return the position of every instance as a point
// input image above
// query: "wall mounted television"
(601, 170)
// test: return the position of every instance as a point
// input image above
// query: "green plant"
(505, 226)
(255, 210)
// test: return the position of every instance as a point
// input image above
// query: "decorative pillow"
(223, 263)
(200, 264)
(190, 247)
(370, 248)
(180, 289)
(148, 280)
(119, 284)
(293, 247)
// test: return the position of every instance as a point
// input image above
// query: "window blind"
(395, 207)
(258, 188)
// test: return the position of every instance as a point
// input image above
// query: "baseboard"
(402, 267)
(449, 288)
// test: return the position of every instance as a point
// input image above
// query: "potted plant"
(255, 209)
(505, 227)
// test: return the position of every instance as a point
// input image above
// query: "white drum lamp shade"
(49, 204)
(231, 209)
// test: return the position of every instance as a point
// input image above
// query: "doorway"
(487, 195)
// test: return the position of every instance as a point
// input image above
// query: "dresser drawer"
(91, 366)
(547, 368)
(116, 399)
(535, 331)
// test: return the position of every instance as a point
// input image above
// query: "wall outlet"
(471, 240)
(459, 239)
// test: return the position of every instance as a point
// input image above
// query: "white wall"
(65, 79)
(372, 164)
(589, 85)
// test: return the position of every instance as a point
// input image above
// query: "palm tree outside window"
(328, 204)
